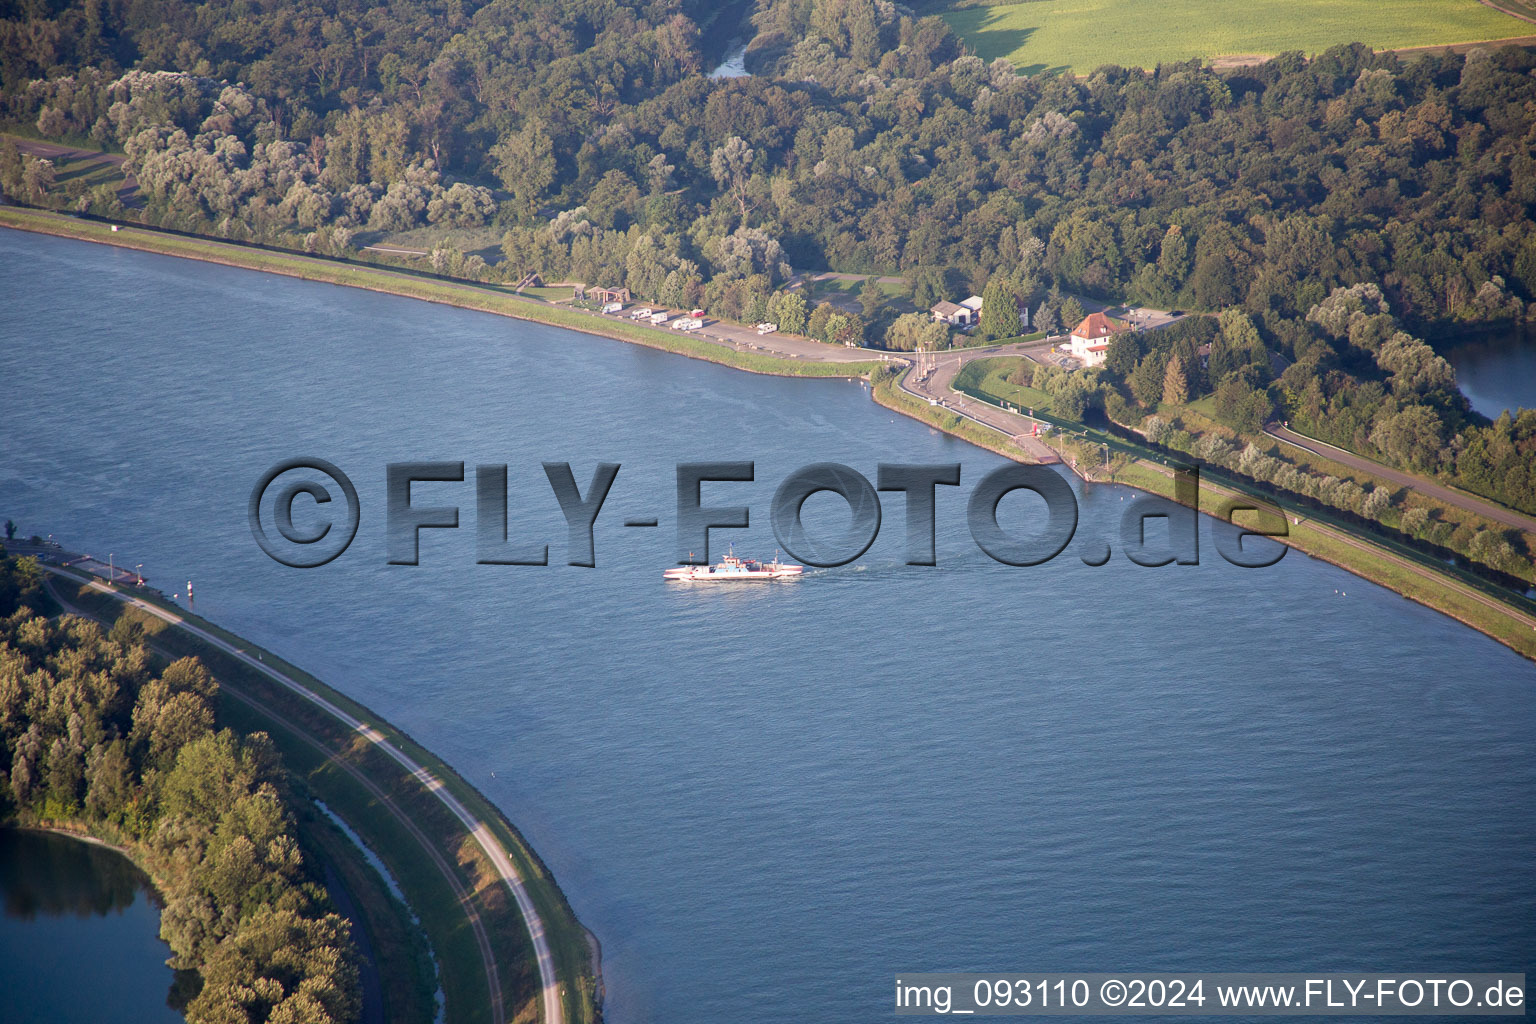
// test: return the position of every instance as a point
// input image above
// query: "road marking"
(554, 1012)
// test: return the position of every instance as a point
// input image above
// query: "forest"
(587, 139)
(94, 739)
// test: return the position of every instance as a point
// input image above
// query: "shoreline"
(1435, 591)
(1360, 556)
(402, 283)
(416, 788)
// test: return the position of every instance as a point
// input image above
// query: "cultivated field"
(1080, 35)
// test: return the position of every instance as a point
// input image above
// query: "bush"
(1377, 504)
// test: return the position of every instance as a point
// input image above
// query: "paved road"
(554, 1011)
(393, 250)
(746, 339)
(1450, 496)
(462, 895)
(935, 380)
(732, 336)
(127, 192)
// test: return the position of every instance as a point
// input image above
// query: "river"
(79, 935)
(765, 802)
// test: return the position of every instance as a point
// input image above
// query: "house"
(954, 314)
(973, 304)
(1090, 339)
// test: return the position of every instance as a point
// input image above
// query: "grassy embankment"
(493, 300)
(418, 285)
(1370, 561)
(989, 379)
(1081, 35)
(992, 377)
(1200, 416)
(271, 707)
(1400, 568)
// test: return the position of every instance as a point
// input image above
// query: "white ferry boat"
(731, 569)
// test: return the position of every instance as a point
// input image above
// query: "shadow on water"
(1496, 368)
(55, 875)
(65, 903)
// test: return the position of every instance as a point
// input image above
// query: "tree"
(1377, 503)
(871, 298)
(37, 176)
(109, 778)
(1046, 319)
(816, 325)
(1175, 383)
(1071, 312)
(913, 331)
(1147, 380)
(658, 173)
(929, 287)
(1000, 312)
(1124, 351)
(731, 167)
(1410, 438)
(1242, 406)
(788, 310)
(525, 163)
(10, 529)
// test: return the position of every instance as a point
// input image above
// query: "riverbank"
(492, 949)
(1357, 555)
(835, 360)
(1361, 557)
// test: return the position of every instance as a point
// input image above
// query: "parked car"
(613, 307)
(767, 328)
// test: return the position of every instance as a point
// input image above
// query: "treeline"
(868, 141)
(1504, 551)
(584, 137)
(92, 738)
(1346, 373)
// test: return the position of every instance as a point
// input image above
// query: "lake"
(766, 801)
(1496, 371)
(79, 935)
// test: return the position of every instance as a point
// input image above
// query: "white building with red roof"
(1090, 339)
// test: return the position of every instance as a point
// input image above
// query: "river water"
(79, 935)
(767, 801)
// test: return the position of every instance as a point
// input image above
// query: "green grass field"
(1081, 35)
(991, 378)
